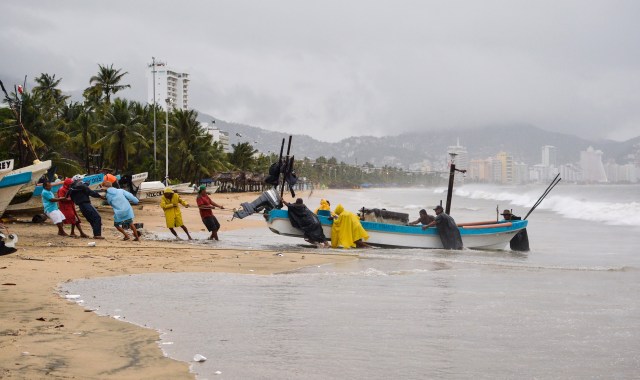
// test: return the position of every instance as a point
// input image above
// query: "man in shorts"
(50, 205)
(119, 200)
(206, 205)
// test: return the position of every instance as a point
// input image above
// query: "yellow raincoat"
(172, 213)
(346, 229)
(324, 205)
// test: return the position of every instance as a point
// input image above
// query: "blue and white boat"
(29, 200)
(10, 184)
(6, 166)
(478, 235)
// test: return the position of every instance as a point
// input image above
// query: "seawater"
(569, 308)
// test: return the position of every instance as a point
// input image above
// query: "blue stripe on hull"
(411, 230)
(15, 179)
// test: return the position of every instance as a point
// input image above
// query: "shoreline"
(44, 335)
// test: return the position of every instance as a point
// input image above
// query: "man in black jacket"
(520, 242)
(79, 193)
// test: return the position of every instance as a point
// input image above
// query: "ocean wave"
(612, 213)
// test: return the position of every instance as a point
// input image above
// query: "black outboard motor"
(266, 201)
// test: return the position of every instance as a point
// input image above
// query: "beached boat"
(10, 184)
(6, 166)
(29, 199)
(478, 235)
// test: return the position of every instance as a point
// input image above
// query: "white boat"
(5, 167)
(390, 232)
(10, 184)
(479, 235)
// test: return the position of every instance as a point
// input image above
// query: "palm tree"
(242, 156)
(49, 95)
(121, 135)
(108, 81)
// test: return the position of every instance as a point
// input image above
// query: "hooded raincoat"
(119, 200)
(346, 229)
(172, 213)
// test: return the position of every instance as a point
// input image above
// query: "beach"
(44, 335)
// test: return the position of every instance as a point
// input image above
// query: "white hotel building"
(169, 84)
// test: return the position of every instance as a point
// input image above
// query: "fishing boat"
(10, 184)
(29, 199)
(493, 235)
(6, 166)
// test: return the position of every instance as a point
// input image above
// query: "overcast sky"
(334, 69)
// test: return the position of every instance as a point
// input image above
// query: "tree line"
(107, 132)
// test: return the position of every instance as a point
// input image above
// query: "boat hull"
(494, 237)
(9, 187)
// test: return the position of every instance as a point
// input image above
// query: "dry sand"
(43, 336)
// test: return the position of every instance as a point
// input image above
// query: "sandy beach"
(45, 336)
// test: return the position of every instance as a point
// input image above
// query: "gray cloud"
(334, 69)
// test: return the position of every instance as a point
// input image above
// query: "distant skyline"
(335, 69)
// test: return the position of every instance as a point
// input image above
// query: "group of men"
(61, 208)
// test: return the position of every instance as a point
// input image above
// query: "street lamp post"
(153, 71)
(166, 143)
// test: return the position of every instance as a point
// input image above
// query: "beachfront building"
(620, 173)
(461, 158)
(570, 173)
(503, 172)
(592, 167)
(549, 156)
(169, 84)
(217, 136)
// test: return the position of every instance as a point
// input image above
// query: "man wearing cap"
(68, 208)
(205, 206)
(120, 200)
(79, 193)
(520, 241)
(447, 229)
(170, 203)
(424, 219)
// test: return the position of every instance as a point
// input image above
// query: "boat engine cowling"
(266, 201)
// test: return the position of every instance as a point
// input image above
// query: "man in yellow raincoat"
(347, 230)
(170, 203)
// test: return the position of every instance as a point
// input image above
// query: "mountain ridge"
(523, 141)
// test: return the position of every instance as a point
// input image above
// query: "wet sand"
(42, 335)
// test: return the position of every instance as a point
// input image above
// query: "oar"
(553, 184)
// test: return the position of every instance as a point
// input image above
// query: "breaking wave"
(612, 213)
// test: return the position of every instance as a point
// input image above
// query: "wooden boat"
(29, 199)
(10, 184)
(6, 166)
(478, 235)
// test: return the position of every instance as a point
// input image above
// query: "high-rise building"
(506, 167)
(169, 84)
(217, 135)
(549, 154)
(462, 157)
(592, 167)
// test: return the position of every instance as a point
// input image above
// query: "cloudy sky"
(334, 69)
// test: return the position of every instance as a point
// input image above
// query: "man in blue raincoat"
(120, 200)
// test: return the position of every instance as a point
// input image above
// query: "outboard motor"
(266, 201)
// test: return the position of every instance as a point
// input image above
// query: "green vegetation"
(117, 134)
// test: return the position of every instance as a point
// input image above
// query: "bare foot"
(99, 237)
(73, 235)
(126, 238)
(136, 239)
(62, 234)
